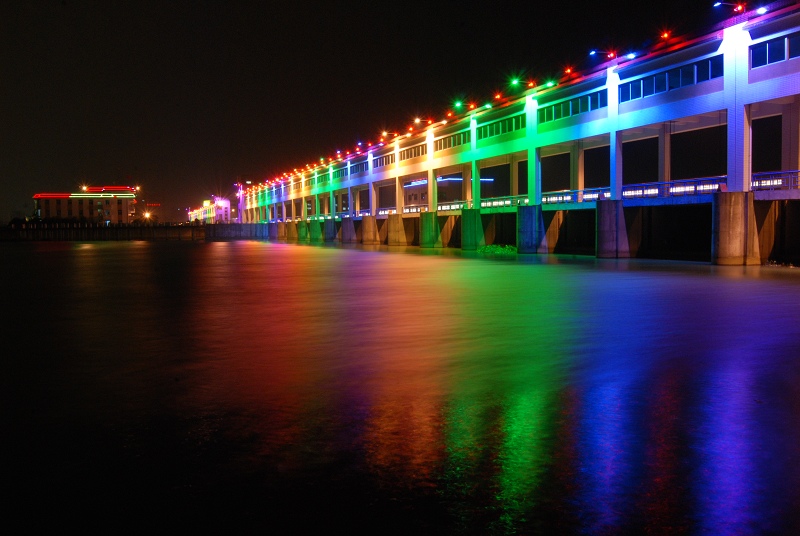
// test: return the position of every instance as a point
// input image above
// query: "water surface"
(252, 385)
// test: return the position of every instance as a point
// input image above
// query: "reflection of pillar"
(665, 152)
(739, 148)
(790, 137)
(615, 148)
(576, 167)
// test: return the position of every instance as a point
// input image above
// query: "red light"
(471, 106)
(739, 8)
(568, 70)
(665, 35)
(449, 114)
(497, 96)
(532, 84)
(430, 121)
(410, 129)
(612, 55)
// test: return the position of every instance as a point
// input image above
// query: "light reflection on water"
(262, 382)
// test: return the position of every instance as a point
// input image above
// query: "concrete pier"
(612, 236)
(734, 238)
(348, 231)
(369, 231)
(471, 229)
(530, 230)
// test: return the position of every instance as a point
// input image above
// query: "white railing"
(775, 180)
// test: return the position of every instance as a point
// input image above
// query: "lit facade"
(495, 156)
(218, 211)
(95, 204)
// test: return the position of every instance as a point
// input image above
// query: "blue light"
(631, 56)
(761, 10)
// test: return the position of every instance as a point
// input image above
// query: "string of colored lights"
(461, 110)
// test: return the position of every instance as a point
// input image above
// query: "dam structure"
(688, 150)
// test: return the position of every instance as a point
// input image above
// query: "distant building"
(98, 204)
(218, 211)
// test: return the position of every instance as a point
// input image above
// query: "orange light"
(430, 121)
(665, 35)
(449, 114)
(471, 106)
(497, 96)
(532, 83)
(568, 70)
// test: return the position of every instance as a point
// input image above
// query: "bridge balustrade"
(342, 215)
(507, 201)
(386, 211)
(576, 196)
(775, 180)
(705, 185)
(453, 205)
(414, 209)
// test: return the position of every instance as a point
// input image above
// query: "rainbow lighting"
(493, 151)
(216, 211)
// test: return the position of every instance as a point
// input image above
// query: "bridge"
(693, 146)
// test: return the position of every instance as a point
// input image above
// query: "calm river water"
(286, 388)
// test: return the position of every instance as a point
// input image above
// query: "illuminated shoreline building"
(95, 204)
(218, 211)
(604, 152)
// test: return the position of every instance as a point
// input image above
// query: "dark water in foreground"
(230, 386)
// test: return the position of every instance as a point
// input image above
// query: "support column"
(329, 230)
(739, 148)
(399, 196)
(615, 148)
(373, 199)
(302, 231)
(534, 176)
(396, 233)
(665, 152)
(612, 236)
(471, 229)
(576, 167)
(734, 235)
(429, 234)
(348, 231)
(282, 227)
(433, 192)
(790, 136)
(369, 231)
(475, 172)
(530, 230)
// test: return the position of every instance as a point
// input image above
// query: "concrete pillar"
(273, 230)
(734, 235)
(615, 148)
(530, 230)
(373, 199)
(514, 175)
(302, 231)
(369, 231)
(290, 230)
(576, 167)
(665, 152)
(433, 191)
(429, 234)
(790, 136)
(466, 182)
(348, 231)
(475, 173)
(534, 176)
(399, 195)
(315, 231)
(471, 229)
(329, 231)
(739, 148)
(612, 236)
(396, 230)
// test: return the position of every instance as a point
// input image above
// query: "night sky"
(186, 98)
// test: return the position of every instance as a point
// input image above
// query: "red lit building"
(97, 204)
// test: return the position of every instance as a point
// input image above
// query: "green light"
(515, 82)
(550, 84)
(457, 104)
(487, 105)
